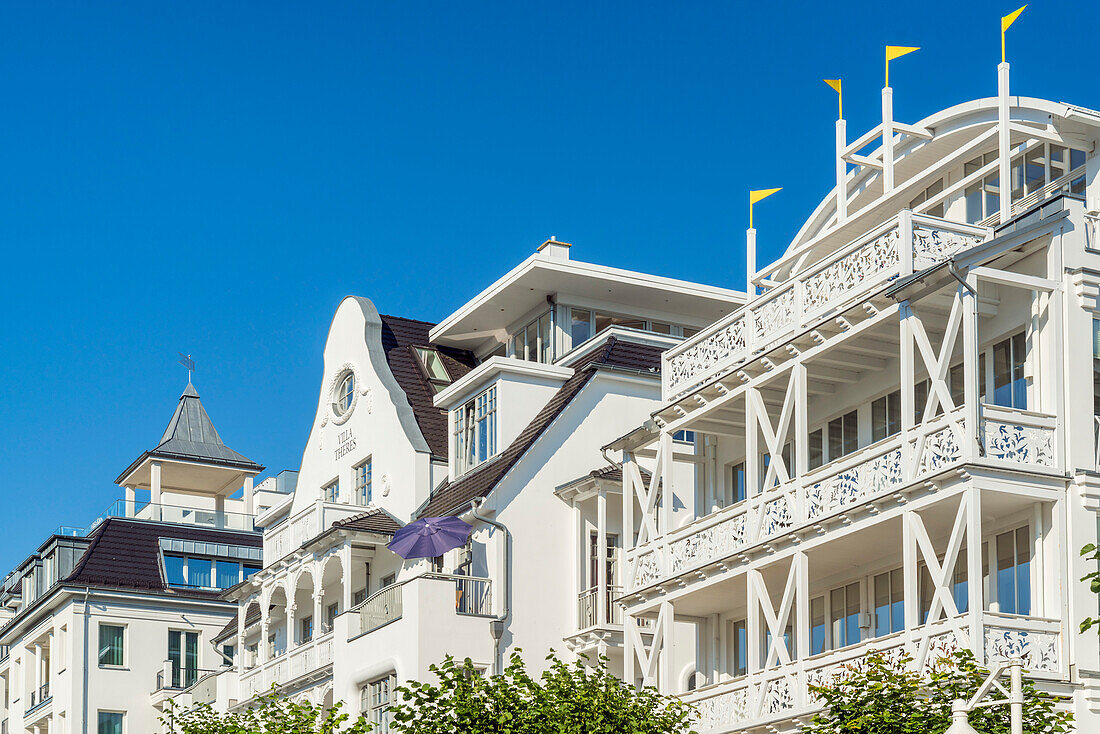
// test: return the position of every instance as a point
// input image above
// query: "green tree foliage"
(1093, 578)
(270, 714)
(884, 695)
(568, 698)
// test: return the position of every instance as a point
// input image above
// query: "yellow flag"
(835, 84)
(758, 195)
(1008, 20)
(893, 52)
(1006, 23)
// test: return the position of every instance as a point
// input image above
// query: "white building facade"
(496, 415)
(898, 433)
(888, 445)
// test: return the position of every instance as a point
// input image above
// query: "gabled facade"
(898, 442)
(483, 416)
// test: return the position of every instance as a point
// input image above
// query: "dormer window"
(475, 428)
(433, 367)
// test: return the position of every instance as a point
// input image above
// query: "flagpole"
(841, 144)
(750, 239)
(1004, 129)
(892, 52)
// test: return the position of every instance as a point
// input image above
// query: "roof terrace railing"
(177, 514)
(901, 246)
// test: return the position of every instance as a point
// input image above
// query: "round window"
(343, 394)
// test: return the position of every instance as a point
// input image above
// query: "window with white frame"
(110, 722)
(834, 618)
(1009, 379)
(889, 598)
(362, 474)
(475, 427)
(1013, 572)
(375, 699)
(1030, 172)
(737, 650)
(112, 645)
(331, 491)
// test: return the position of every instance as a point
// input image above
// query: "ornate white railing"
(782, 692)
(1012, 437)
(905, 244)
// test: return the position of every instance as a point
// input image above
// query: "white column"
(318, 611)
(1004, 141)
(219, 511)
(601, 553)
(887, 140)
(249, 506)
(265, 651)
(664, 662)
(974, 570)
(668, 494)
(154, 489)
(911, 600)
(291, 625)
(752, 624)
(345, 572)
(131, 499)
(750, 260)
(752, 451)
(841, 172)
(971, 365)
(242, 612)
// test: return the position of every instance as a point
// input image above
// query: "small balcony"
(38, 700)
(906, 244)
(588, 608)
(767, 697)
(313, 658)
(139, 510)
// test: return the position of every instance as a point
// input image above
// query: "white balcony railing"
(1016, 438)
(905, 244)
(300, 660)
(782, 692)
(588, 608)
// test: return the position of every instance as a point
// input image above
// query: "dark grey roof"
(191, 436)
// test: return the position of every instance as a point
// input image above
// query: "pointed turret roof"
(191, 434)
(191, 437)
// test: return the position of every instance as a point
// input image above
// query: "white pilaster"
(750, 260)
(601, 560)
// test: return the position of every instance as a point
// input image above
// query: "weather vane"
(186, 361)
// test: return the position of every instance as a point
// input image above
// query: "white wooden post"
(887, 140)
(1003, 142)
(601, 560)
(841, 172)
(975, 601)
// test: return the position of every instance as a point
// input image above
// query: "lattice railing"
(905, 244)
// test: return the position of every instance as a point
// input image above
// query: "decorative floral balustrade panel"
(834, 282)
(1018, 443)
(855, 485)
(1037, 649)
(707, 544)
(725, 346)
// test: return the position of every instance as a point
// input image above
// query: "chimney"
(554, 250)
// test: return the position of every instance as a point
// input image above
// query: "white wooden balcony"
(1008, 438)
(777, 696)
(905, 244)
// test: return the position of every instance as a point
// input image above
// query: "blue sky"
(214, 177)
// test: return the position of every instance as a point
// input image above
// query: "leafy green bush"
(568, 698)
(269, 714)
(884, 695)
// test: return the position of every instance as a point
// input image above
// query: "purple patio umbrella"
(430, 537)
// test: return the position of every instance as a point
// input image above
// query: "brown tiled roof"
(375, 520)
(251, 617)
(125, 554)
(399, 336)
(453, 497)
